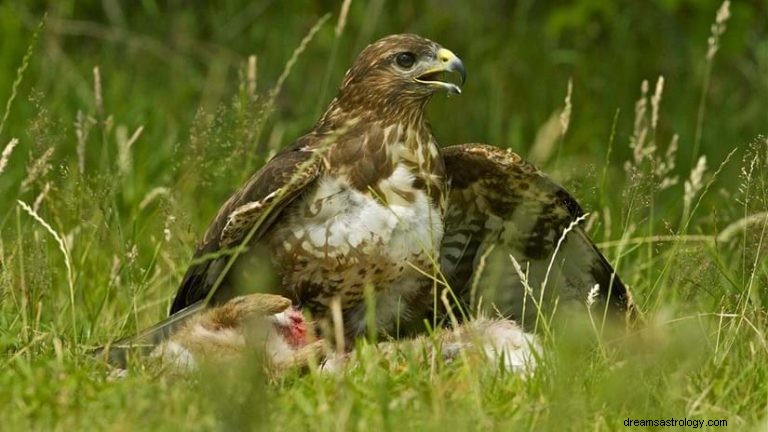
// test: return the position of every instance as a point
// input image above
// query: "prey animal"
(266, 327)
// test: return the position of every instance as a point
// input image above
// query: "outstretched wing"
(245, 217)
(500, 205)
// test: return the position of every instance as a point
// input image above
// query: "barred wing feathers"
(246, 216)
(500, 205)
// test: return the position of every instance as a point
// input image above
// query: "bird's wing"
(500, 205)
(247, 215)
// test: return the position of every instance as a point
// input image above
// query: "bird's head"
(400, 71)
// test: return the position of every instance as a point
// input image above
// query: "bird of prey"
(367, 201)
(357, 202)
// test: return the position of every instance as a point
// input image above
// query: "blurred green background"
(160, 61)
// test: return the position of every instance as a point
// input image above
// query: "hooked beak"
(445, 62)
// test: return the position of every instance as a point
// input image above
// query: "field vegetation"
(124, 125)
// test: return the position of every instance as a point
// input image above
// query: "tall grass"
(115, 158)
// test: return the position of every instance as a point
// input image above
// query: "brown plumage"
(356, 202)
(367, 200)
(500, 208)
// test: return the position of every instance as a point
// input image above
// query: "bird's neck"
(371, 108)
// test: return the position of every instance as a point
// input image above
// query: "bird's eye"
(405, 59)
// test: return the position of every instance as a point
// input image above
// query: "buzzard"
(368, 202)
(357, 202)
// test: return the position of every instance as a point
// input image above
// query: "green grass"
(127, 216)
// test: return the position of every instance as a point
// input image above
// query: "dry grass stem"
(67, 258)
(560, 241)
(97, 94)
(20, 74)
(565, 115)
(342, 22)
(7, 152)
(83, 126)
(152, 195)
(717, 29)
(38, 169)
(294, 58)
(41, 196)
(656, 103)
(694, 184)
(124, 145)
(338, 326)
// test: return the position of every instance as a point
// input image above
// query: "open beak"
(445, 62)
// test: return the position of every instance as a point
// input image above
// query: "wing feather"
(500, 205)
(245, 217)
